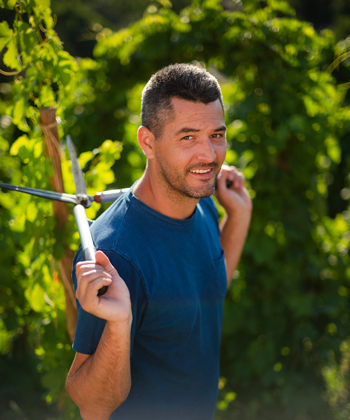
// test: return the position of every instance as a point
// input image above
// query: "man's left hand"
(234, 199)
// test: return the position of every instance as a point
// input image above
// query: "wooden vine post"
(53, 150)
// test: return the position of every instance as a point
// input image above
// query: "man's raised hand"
(235, 198)
(114, 305)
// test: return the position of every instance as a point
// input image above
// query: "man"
(149, 347)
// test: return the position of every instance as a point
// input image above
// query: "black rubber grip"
(102, 291)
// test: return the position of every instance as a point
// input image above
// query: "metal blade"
(78, 176)
(51, 195)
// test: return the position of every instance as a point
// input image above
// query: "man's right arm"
(100, 382)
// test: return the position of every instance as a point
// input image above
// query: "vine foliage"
(37, 242)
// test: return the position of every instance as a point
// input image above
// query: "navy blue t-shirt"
(176, 275)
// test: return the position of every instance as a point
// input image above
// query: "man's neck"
(153, 193)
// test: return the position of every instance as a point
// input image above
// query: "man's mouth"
(201, 171)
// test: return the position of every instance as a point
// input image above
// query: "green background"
(285, 348)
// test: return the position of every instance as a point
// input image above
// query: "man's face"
(192, 148)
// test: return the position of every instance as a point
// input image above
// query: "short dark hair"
(183, 81)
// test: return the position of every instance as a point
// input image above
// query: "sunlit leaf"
(8, 4)
(281, 6)
(6, 34)
(32, 211)
(10, 57)
(35, 297)
(18, 110)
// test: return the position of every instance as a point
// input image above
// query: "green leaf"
(48, 21)
(10, 57)
(35, 297)
(85, 157)
(165, 3)
(212, 4)
(281, 6)
(28, 39)
(65, 75)
(42, 10)
(6, 34)
(47, 96)
(106, 175)
(32, 211)
(5, 338)
(22, 141)
(8, 4)
(38, 149)
(333, 149)
(18, 110)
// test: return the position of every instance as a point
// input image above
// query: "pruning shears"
(81, 201)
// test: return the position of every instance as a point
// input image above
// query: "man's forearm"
(234, 229)
(103, 381)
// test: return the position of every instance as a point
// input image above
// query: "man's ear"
(146, 140)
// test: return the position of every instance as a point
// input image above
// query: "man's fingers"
(87, 266)
(92, 276)
(89, 294)
(103, 260)
(232, 174)
(88, 275)
(239, 180)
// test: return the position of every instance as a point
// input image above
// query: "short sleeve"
(89, 327)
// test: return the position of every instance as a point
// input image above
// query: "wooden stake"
(53, 150)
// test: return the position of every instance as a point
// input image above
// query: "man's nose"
(206, 151)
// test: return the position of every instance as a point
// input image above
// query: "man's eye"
(187, 138)
(217, 136)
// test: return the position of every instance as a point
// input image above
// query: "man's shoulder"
(107, 227)
(123, 225)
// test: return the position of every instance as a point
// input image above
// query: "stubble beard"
(177, 186)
